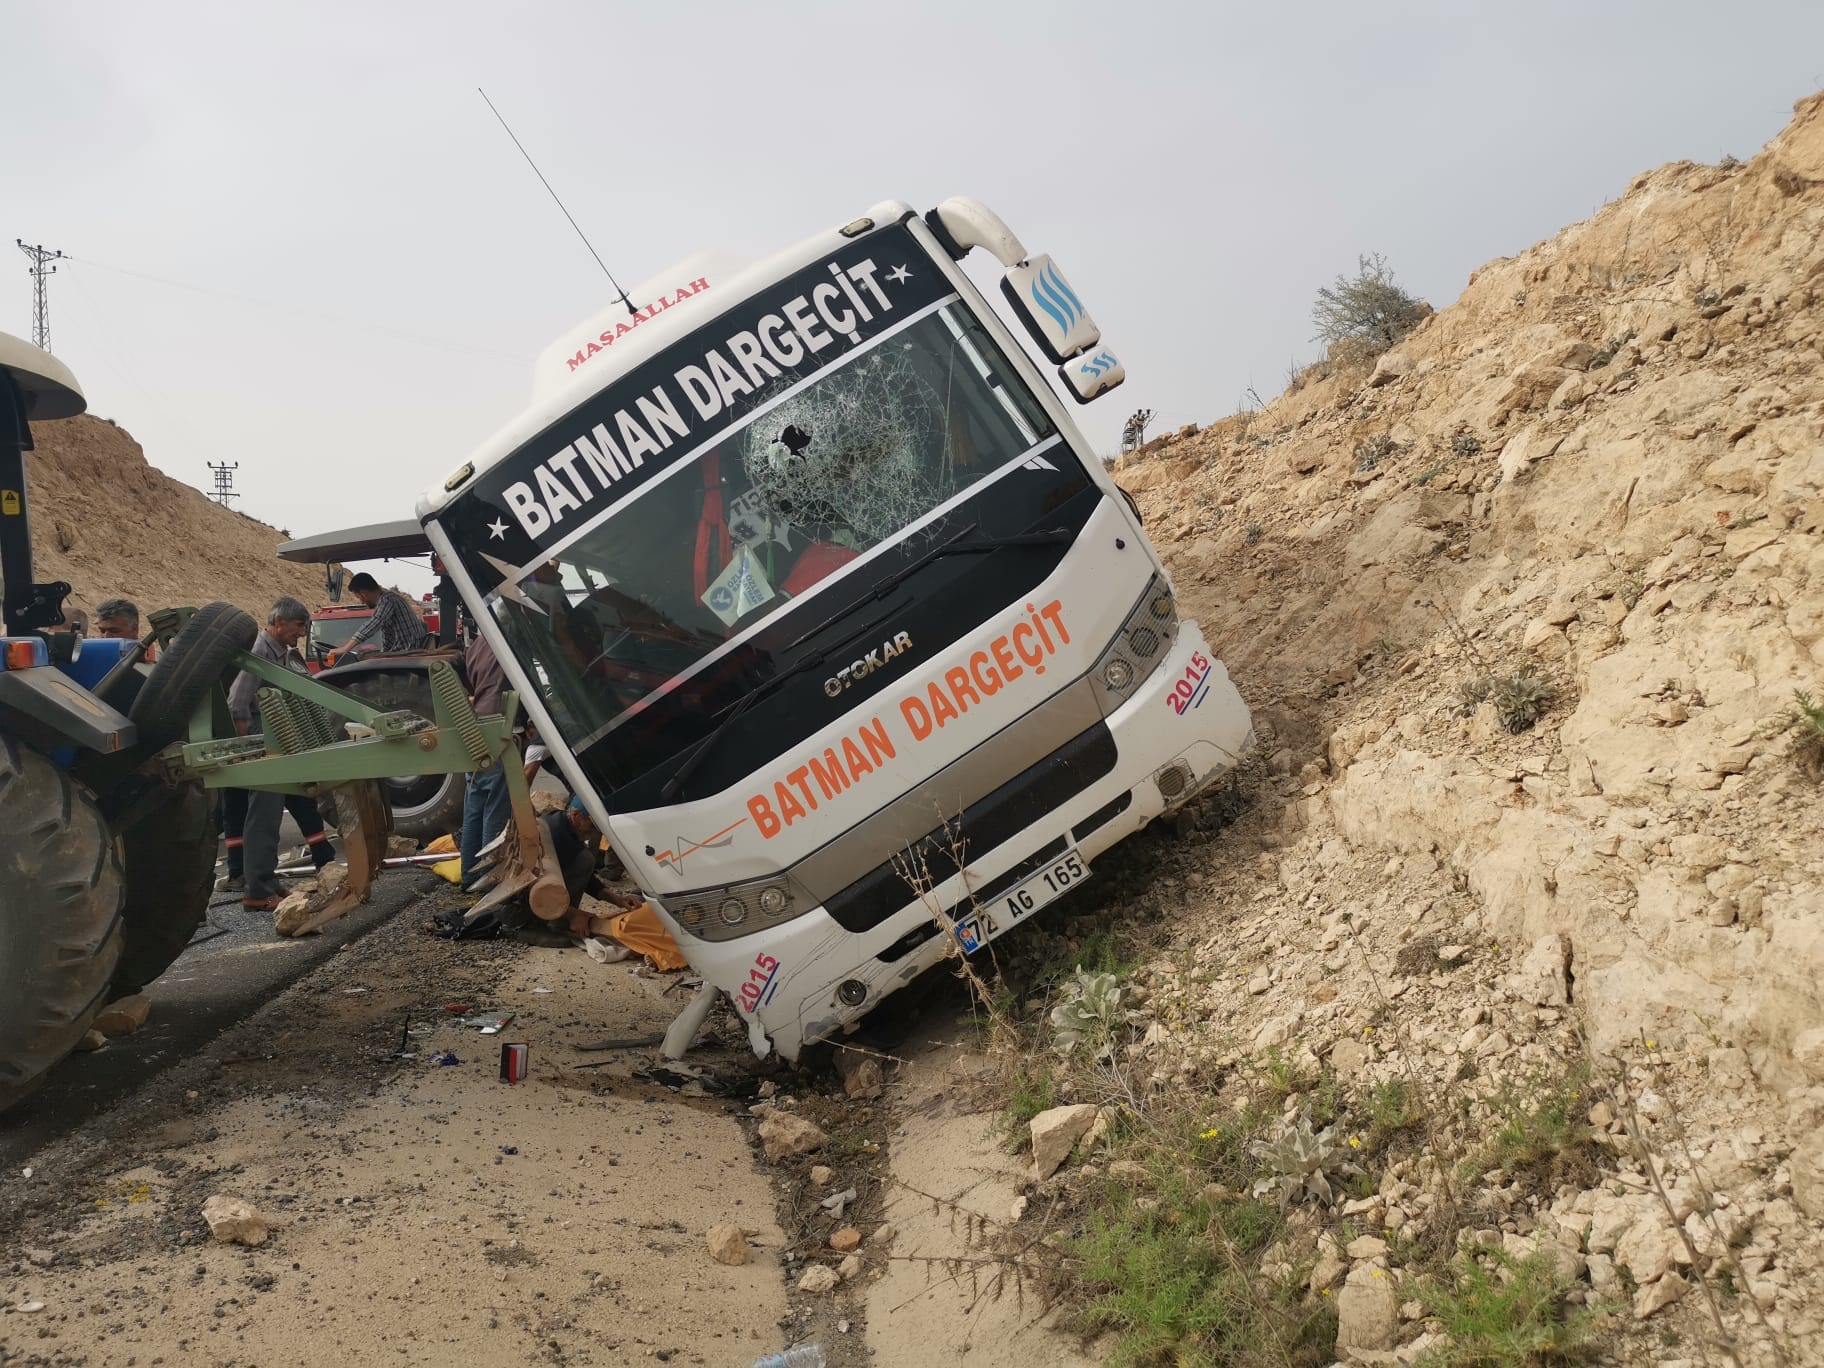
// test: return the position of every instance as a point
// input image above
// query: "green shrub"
(1370, 306)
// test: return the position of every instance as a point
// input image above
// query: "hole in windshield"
(849, 462)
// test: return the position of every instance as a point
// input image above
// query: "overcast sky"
(302, 243)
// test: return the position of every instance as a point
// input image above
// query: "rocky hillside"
(109, 524)
(1522, 610)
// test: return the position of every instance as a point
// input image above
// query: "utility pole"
(41, 269)
(1133, 434)
(224, 481)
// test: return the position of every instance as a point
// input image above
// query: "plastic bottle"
(798, 1356)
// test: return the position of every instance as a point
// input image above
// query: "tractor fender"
(46, 707)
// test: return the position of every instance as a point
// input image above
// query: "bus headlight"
(736, 910)
(1145, 639)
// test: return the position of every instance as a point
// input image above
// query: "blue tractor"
(107, 852)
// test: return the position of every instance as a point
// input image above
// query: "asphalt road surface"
(233, 965)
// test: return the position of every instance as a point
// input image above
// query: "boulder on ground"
(124, 1015)
(782, 1134)
(819, 1278)
(1542, 977)
(1367, 1311)
(1055, 1133)
(234, 1221)
(727, 1244)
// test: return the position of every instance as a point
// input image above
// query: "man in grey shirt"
(286, 625)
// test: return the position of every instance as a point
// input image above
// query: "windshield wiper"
(954, 546)
(766, 690)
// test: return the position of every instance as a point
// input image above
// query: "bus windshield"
(865, 454)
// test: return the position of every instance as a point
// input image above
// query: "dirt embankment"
(112, 526)
(1522, 606)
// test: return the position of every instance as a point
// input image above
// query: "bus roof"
(560, 386)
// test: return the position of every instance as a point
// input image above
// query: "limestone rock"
(849, 1268)
(124, 1015)
(1658, 1295)
(90, 1042)
(846, 1241)
(1350, 1056)
(1391, 366)
(783, 1134)
(1808, 1175)
(1055, 1133)
(1649, 1249)
(1367, 1311)
(821, 1175)
(1542, 978)
(1612, 1217)
(1158, 475)
(818, 1279)
(727, 1244)
(233, 1221)
(293, 911)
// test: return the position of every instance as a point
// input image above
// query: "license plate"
(1062, 874)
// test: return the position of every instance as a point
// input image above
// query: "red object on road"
(513, 1059)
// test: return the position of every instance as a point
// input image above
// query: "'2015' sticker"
(761, 980)
(1190, 691)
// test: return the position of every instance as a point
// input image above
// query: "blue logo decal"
(1100, 364)
(1056, 298)
(969, 935)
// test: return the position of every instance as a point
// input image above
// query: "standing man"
(118, 618)
(485, 801)
(395, 625)
(286, 625)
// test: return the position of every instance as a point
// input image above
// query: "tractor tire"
(170, 871)
(60, 915)
(425, 806)
(192, 665)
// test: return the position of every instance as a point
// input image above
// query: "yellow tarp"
(448, 870)
(641, 932)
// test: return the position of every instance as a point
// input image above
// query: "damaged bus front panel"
(843, 633)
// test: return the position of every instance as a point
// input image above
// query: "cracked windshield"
(846, 463)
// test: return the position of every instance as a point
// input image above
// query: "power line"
(417, 339)
(560, 204)
(41, 270)
(224, 481)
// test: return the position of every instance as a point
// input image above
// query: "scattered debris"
(1055, 1133)
(124, 1016)
(819, 1278)
(727, 1244)
(783, 1134)
(234, 1221)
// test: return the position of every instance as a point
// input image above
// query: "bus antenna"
(560, 204)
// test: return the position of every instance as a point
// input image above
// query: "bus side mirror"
(1092, 375)
(1042, 299)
